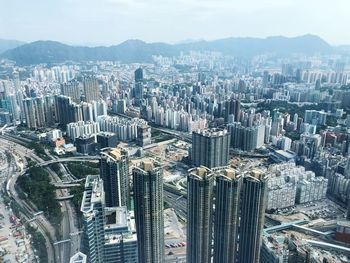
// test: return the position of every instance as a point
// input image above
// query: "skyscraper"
(67, 111)
(108, 233)
(138, 91)
(232, 110)
(246, 138)
(49, 109)
(139, 75)
(210, 148)
(200, 182)
(19, 94)
(72, 90)
(251, 225)
(144, 135)
(227, 209)
(107, 139)
(114, 171)
(91, 89)
(34, 112)
(92, 207)
(120, 236)
(148, 198)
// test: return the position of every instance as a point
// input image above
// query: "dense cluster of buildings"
(239, 215)
(289, 184)
(297, 117)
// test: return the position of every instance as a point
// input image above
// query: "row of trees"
(37, 187)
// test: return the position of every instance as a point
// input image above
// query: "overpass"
(330, 246)
(70, 159)
(63, 185)
(284, 226)
(3, 128)
(312, 231)
(297, 226)
(63, 198)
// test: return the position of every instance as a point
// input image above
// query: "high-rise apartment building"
(246, 138)
(227, 209)
(149, 217)
(200, 182)
(210, 148)
(139, 75)
(71, 89)
(253, 202)
(108, 233)
(120, 236)
(67, 111)
(114, 171)
(228, 230)
(315, 117)
(91, 89)
(107, 140)
(138, 90)
(92, 207)
(232, 110)
(34, 112)
(143, 135)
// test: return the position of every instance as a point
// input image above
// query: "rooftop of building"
(106, 134)
(201, 172)
(148, 164)
(78, 258)
(256, 174)
(117, 216)
(305, 242)
(111, 239)
(123, 224)
(114, 153)
(212, 132)
(228, 172)
(93, 193)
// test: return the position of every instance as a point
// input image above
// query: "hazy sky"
(113, 21)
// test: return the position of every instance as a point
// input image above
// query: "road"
(44, 226)
(70, 159)
(178, 202)
(65, 250)
(70, 224)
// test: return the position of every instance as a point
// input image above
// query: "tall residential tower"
(227, 209)
(210, 148)
(114, 171)
(200, 182)
(251, 225)
(148, 198)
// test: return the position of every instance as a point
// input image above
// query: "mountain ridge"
(135, 50)
(7, 44)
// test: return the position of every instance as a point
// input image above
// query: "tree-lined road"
(68, 225)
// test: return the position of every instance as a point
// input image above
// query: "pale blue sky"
(113, 21)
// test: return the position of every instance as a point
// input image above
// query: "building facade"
(114, 171)
(210, 148)
(149, 205)
(200, 183)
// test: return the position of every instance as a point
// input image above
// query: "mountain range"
(9, 44)
(139, 51)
